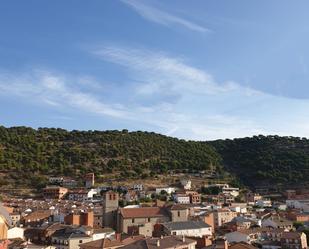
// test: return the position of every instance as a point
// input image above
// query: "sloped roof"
(242, 245)
(241, 219)
(142, 212)
(103, 230)
(166, 242)
(38, 215)
(69, 232)
(260, 230)
(279, 220)
(100, 244)
(180, 206)
(111, 243)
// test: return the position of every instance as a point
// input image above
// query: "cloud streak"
(162, 93)
(63, 93)
(203, 107)
(54, 90)
(158, 16)
(160, 72)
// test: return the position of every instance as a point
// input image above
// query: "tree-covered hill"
(266, 159)
(27, 154)
(26, 151)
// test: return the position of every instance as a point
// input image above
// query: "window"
(178, 213)
(133, 220)
(149, 219)
(80, 241)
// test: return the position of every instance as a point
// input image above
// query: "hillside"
(27, 154)
(266, 159)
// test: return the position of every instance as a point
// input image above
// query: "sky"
(197, 70)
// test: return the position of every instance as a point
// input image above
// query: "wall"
(125, 223)
(222, 217)
(192, 232)
(74, 243)
(110, 207)
(146, 230)
(16, 232)
(3, 229)
(303, 239)
(180, 215)
(209, 219)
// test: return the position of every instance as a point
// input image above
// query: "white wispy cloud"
(162, 93)
(177, 89)
(161, 17)
(55, 90)
(158, 75)
(60, 92)
(159, 72)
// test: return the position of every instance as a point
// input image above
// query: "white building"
(91, 193)
(55, 180)
(182, 198)
(298, 204)
(239, 207)
(72, 240)
(241, 210)
(78, 195)
(186, 184)
(188, 228)
(168, 190)
(281, 206)
(103, 233)
(263, 203)
(229, 190)
(82, 194)
(16, 233)
(138, 187)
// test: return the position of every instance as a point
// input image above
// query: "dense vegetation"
(266, 159)
(27, 155)
(28, 152)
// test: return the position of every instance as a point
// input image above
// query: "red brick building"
(80, 219)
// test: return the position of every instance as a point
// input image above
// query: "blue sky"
(197, 69)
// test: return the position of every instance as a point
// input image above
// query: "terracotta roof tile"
(242, 245)
(142, 212)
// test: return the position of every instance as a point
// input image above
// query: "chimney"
(158, 243)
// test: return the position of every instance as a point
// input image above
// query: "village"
(217, 216)
(154, 124)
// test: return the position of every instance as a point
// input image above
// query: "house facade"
(188, 228)
(130, 219)
(294, 240)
